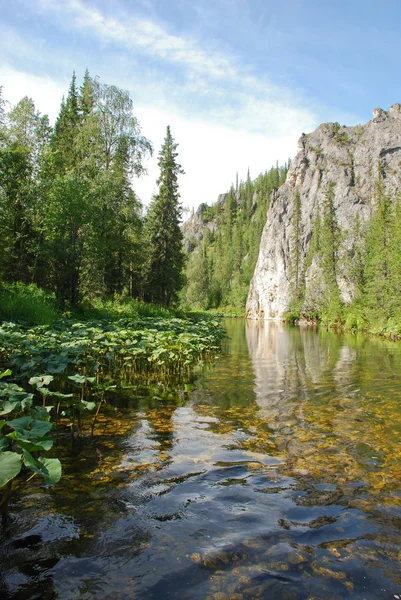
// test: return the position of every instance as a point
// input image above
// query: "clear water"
(275, 474)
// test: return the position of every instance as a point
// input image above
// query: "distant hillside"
(222, 242)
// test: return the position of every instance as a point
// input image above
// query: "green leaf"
(50, 469)
(10, 466)
(78, 378)
(32, 446)
(29, 461)
(87, 405)
(5, 373)
(4, 443)
(7, 407)
(31, 429)
(20, 424)
(41, 380)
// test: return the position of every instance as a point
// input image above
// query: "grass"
(27, 304)
(30, 305)
(121, 307)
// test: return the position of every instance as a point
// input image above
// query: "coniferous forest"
(222, 259)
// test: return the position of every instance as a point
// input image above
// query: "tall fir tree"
(329, 238)
(295, 247)
(165, 260)
(378, 249)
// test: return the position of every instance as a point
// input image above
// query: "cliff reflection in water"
(332, 403)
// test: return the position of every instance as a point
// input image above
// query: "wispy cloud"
(209, 81)
(144, 35)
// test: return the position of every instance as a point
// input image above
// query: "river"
(275, 473)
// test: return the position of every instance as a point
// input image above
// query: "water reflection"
(275, 475)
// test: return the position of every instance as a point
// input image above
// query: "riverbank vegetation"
(58, 376)
(367, 256)
(88, 282)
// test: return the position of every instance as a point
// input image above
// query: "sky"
(238, 81)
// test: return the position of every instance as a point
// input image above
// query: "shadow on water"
(276, 474)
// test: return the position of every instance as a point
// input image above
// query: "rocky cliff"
(348, 157)
(194, 227)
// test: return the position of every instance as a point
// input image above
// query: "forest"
(221, 262)
(71, 221)
(367, 255)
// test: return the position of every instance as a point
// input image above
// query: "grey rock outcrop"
(349, 157)
(195, 226)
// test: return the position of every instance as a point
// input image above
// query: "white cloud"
(143, 34)
(45, 92)
(210, 155)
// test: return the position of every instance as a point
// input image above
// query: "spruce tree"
(66, 130)
(165, 260)
(330, 239)
(378, 250)
(295, 251)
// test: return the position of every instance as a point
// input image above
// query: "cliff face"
(349, 157)
(194, 226)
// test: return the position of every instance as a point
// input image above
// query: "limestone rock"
(347, 156)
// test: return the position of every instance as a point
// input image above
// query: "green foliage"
(120, 307)
(165, 256)
(219, 270)
(295, 246)
(24, 437)
(70, 218)
(28, 304)
(368, 257)
(329, 241)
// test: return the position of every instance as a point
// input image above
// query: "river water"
(276, 474)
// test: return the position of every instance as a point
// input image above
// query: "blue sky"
(237, 80)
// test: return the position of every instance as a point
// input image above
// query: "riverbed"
(275, 472)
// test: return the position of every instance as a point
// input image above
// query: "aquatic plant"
(24, 430)
(70, 366)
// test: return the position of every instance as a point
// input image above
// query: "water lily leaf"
(21, 423)
(32, 446)
(50, 469)
(10, 466)
(42, 412)
(41, 380)
(87, 405)
(29, 461)
(7, 407)
(77, 378)
(31, 429)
